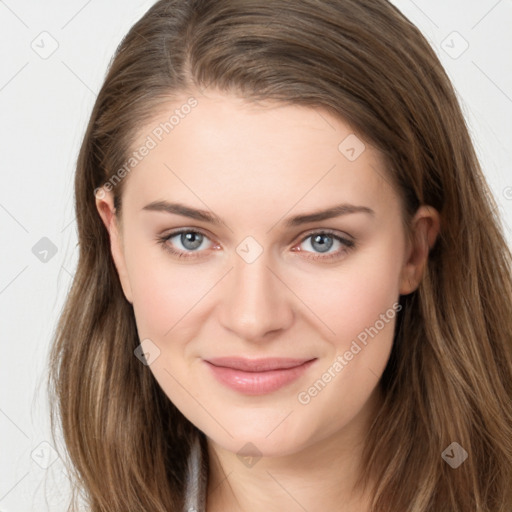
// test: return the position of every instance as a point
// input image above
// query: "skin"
(254, 167)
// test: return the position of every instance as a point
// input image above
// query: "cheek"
(164, 291)
(350, 297)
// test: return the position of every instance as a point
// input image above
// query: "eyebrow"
(205, 216)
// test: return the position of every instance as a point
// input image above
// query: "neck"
(320, 476)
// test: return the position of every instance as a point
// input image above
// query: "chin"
(258, 440)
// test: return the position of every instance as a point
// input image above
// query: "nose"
(256, 302)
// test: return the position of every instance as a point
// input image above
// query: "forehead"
(261, 156)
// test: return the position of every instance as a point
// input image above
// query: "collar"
(197, 477)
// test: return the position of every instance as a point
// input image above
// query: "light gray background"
(45, 101)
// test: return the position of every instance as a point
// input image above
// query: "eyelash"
(348, 244)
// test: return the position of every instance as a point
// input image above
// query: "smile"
(257, 376)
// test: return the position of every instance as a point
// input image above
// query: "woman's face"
(282, 270)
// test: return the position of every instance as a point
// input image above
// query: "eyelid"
(178, 231)
(333, 232)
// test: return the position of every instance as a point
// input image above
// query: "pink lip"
(257, 376)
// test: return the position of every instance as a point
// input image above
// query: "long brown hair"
(449, 377)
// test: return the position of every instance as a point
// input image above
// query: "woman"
(293, 291)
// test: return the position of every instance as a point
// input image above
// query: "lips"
(257, 365)
(257, 376)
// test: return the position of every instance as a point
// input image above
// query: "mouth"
(257, 376)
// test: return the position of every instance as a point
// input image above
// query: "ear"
(107, 211)
(425, 229)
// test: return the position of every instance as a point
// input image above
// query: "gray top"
(197, 477)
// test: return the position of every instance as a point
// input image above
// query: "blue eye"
(321, 242)
(189, 239)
